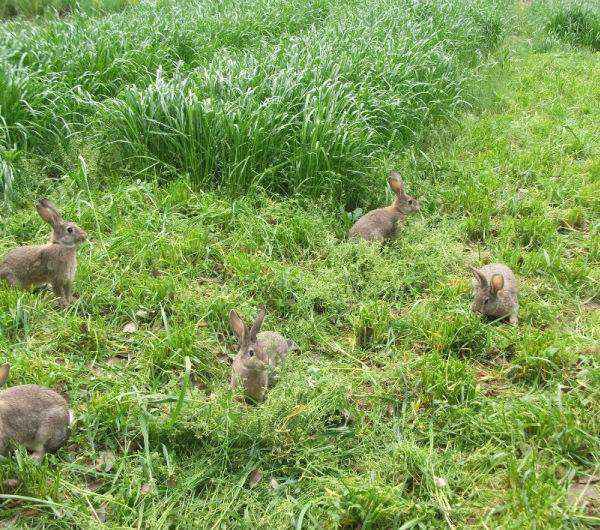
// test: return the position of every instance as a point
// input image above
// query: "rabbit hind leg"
(10, 278)
(53, 432)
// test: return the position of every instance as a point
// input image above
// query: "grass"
(31, 8)
(289, 97)
(401, 407)
(574, 22)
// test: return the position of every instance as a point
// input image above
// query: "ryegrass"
(574, 22)
(30, 8)
(296, 98)
(401, 407)
(578, 24)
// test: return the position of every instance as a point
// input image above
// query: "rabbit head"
(403, 203)
(486, 300)
(63, 232)
(251, 351)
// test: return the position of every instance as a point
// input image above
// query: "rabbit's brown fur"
(381, 224)
(32, 416)
(496, 292)
(54, 263)
(260, 358)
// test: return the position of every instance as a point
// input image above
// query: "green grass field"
(34, 8)
(217, 153)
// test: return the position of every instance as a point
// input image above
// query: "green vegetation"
(30, 8)
(576, 22)
(292, 97)
(211, 185)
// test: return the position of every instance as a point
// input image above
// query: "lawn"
(219, 165)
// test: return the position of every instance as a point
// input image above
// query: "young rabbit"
(33, 416)
(496, 292)
(380, 224)
(260, 358)
(53, 263)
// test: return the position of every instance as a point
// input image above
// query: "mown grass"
(294, 98)
(401, 408)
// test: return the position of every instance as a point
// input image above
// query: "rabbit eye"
(250, 353)
(70, 230)
(411, 202)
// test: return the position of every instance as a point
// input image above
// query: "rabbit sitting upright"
(260, 358)
(53, 263)
(33, 416)
(496, 292)
(381, 224)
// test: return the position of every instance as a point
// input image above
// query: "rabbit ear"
(48, 212)
(497, 282)
(237, 325)
(395, 182)
(479, 276)
(4, 370)
(257, 323)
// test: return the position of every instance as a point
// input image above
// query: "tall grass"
(299, 98)
(310, 114)
(84, 59)
(575, 21)
(30, 8)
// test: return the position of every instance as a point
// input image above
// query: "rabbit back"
(376, 225)
(276, 347)
(33, 416)
(38, 264)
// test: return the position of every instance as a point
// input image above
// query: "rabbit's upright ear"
(237, 325)
(396, 183)
(48, 212)
(497, 282)
(4, 370)
(257, 323)
(479, 277)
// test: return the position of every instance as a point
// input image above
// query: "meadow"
(217, 153)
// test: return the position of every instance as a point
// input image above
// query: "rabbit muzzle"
(255, 364)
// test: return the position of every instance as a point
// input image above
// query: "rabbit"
(496, 292)
(380, 224)
(260, 358)
(53, 263)
(33, 416)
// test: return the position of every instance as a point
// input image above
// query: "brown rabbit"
(53, 263)
(496, 292)
(260, 358)
(33, 416)
(381, 224)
